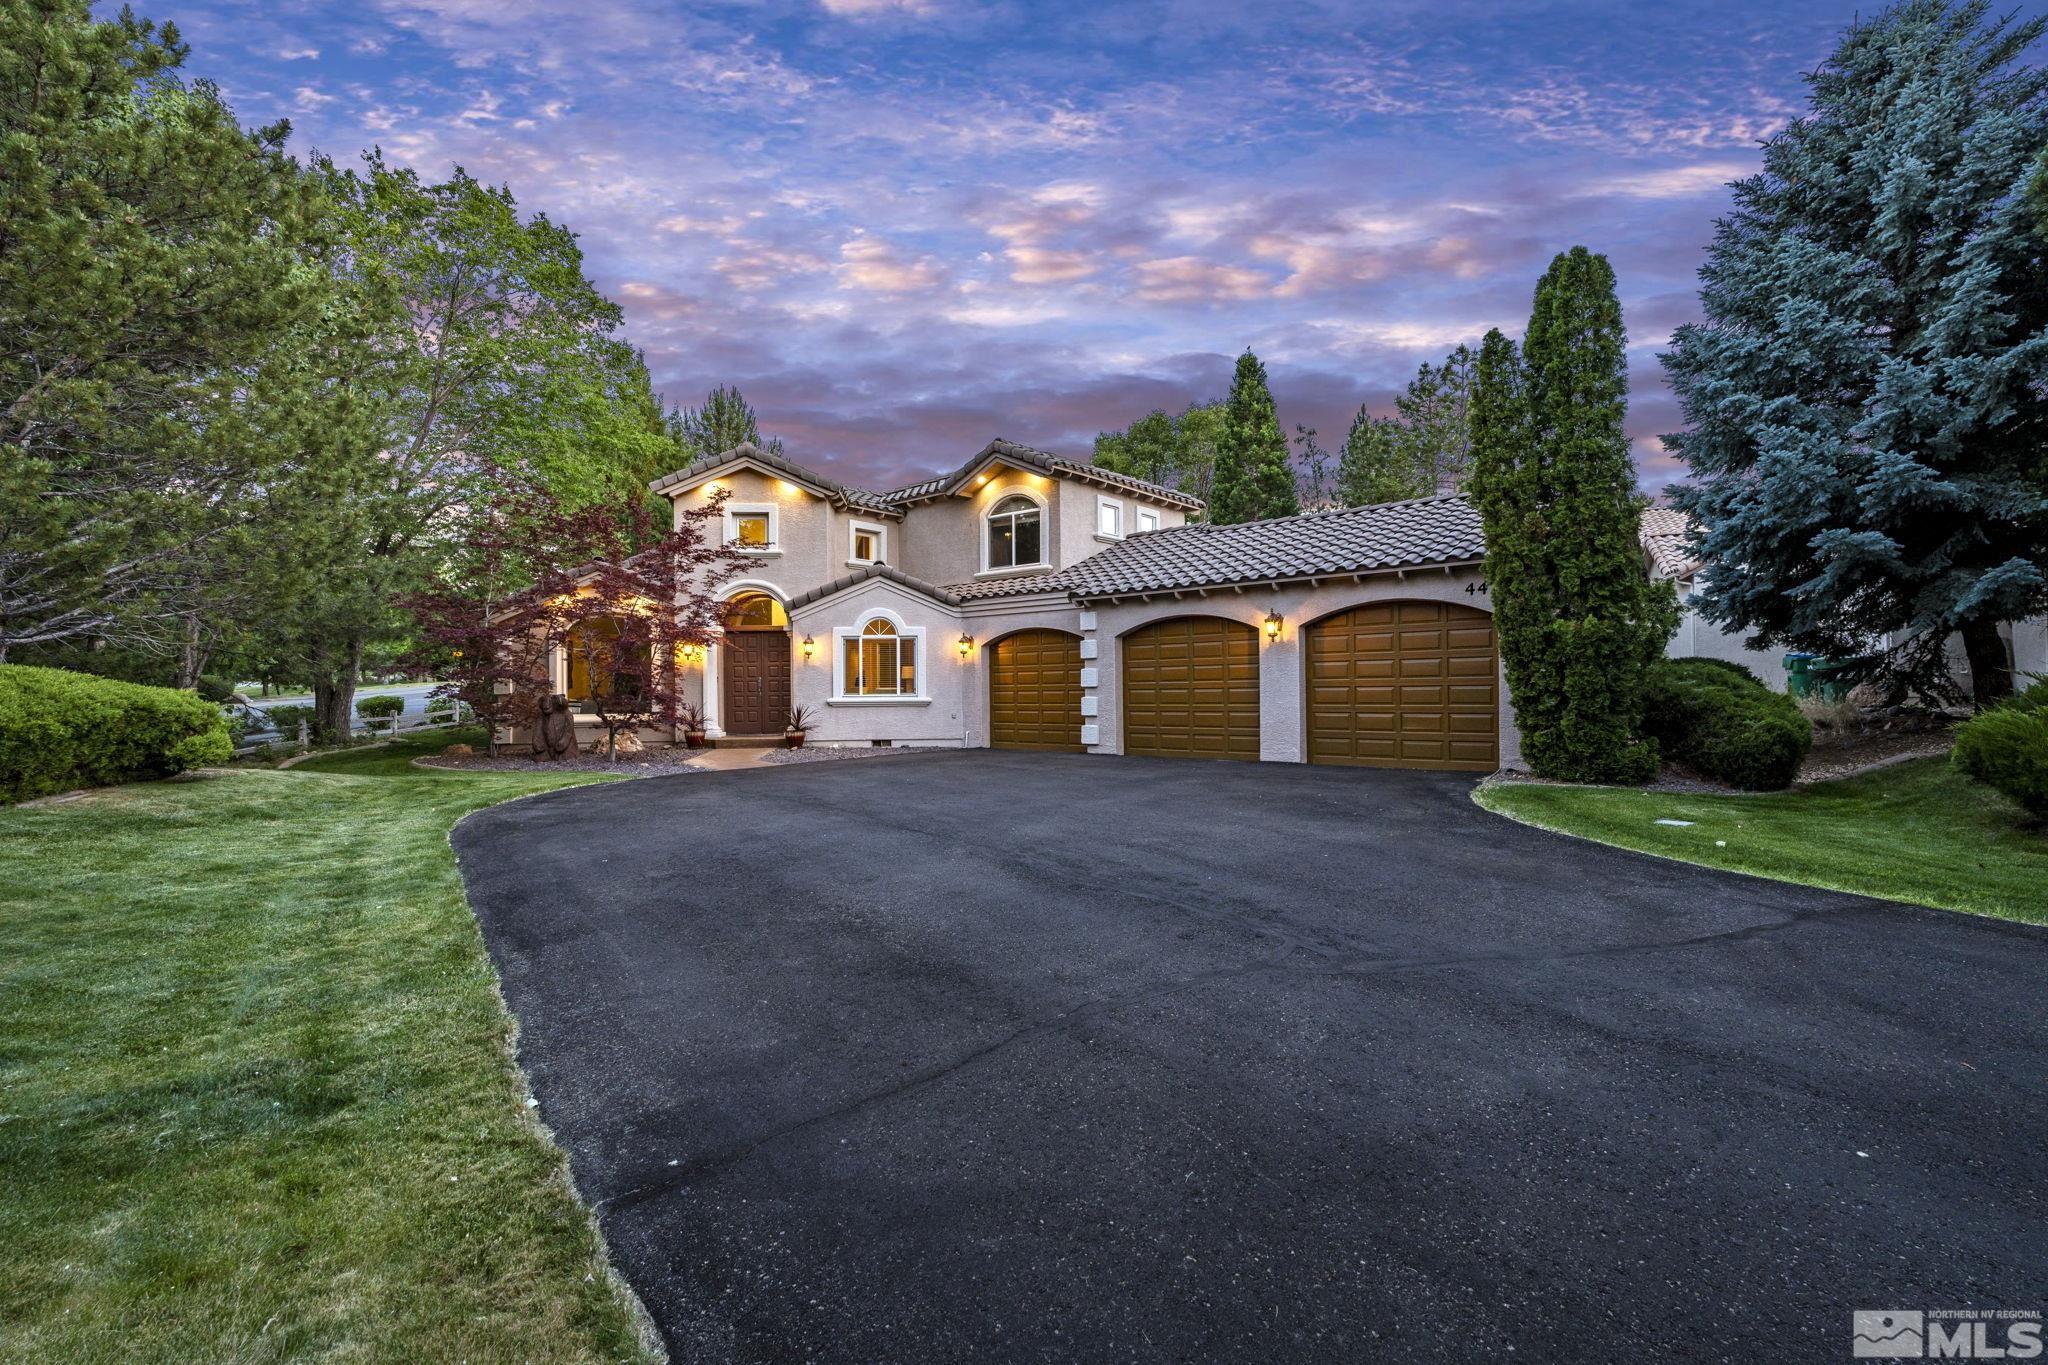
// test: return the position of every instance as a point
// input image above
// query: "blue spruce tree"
(1868, 395)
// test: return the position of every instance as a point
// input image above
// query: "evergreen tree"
(1374, 465)
(1435, 430)
(151, 288)
(1868, 396)
(1254, 478)
(1579, 621)
(724, 420)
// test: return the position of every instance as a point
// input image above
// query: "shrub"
(376, 707)
(61, 730)
(287, 718)
(2006, 748)
(1717, 719)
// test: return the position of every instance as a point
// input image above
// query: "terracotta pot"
(694, 738)
(793, 739)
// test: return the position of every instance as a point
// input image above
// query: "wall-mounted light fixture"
(810, 648)
(1273, 624)
(966, 645)
(693, 654)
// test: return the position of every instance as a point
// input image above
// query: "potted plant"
(692, 722)
(799, 721)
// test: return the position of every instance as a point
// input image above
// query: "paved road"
(1026, 1056)
(415, 694)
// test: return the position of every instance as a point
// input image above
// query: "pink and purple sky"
(904, 226)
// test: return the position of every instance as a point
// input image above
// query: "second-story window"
(1109, 517)
(1014, 534)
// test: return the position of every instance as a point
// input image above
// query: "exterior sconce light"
(1273, 624)
(810, 647)
(966, 646)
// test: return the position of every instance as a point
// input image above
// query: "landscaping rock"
(457, 751)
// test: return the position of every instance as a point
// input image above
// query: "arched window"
(756, 611)
(880, 661)
(1015, 536)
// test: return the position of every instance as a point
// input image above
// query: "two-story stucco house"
(1029, 601)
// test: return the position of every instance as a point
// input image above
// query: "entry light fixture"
(693, 653)
(1273, 624)
(810, 647)
(966, 645)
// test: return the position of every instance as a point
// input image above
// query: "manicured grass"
(256, 1099)
(1917, 832)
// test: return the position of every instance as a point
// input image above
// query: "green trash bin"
(1799, 674)
(1823, 682)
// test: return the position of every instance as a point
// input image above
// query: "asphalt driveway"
(1031, 1056)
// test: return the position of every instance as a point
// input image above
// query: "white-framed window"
(1109, 516)
(881, 659)
(866, 543)
(1148, 519)
(1015, 536)
(751, 527)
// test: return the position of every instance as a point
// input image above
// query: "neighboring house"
(1665, 535)
(1032, 602)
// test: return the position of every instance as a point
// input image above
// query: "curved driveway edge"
(1021, 1055)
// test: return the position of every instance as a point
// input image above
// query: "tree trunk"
(1990, 673)
(334, 688)
(191, 658)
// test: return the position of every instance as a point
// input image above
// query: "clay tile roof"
(1423, 532)
(1665, 532)
(843, 494)
(882, 571)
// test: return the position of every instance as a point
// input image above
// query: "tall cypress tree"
(1579, 621)
(1254, 478)
(1868, 396)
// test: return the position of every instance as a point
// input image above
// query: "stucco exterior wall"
(809, 536)
(1699, 638)
(944, 544)
(938, 717)
(1283, 691)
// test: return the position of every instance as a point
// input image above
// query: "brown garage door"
(1034, 691)
(1405, 685)
(1191, 689)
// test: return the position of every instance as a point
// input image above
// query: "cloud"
(1672, 182)
(868, 9)
(298, 53)
(1193, 279)
(873, 265)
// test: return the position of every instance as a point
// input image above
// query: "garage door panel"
(1434, 698)
(1035, 692)
(1191, 688)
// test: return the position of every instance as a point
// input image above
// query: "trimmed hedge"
(2006, 748)
(1716, 718)
(61, 730)
(372, 707)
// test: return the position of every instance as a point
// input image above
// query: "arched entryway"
(1034, 692)
(1404, 685)
(754, 667)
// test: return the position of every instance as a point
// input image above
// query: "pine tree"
(1254, 478)
(1374, 465)
(1579, 622)
(1435, 430)
(1868, 396)
(724, 420)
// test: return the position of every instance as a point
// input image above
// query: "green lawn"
(256, 1099)
(1916, 832)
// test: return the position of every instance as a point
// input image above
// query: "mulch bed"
(820, 755)
(651, 763)
(1832, 757)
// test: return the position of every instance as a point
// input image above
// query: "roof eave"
(1273, 582)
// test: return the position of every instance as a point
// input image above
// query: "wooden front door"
(755, 686)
